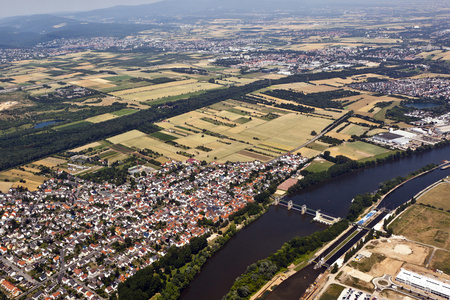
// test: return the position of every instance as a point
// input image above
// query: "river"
(277, 226)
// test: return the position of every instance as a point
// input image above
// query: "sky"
(10, 8)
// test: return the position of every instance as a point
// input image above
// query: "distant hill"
(215, 8)
(25, 31)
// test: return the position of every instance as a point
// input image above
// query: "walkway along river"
(278, 225)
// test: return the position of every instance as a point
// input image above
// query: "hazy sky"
(9, 8)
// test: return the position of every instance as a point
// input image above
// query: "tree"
(313, 132)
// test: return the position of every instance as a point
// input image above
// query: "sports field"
(319, 165)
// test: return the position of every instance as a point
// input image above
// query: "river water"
(277, 226)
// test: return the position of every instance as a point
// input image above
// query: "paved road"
(18, 270)
(55, 276)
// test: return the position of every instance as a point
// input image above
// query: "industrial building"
(424, 283)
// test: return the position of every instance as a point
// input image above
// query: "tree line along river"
(268, 233)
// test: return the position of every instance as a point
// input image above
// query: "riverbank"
(267, 234)
(324, 248)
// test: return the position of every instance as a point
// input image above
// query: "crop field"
(340, 82)
(266, 138)
(5, 186)
(357, 150)
(50, 162)
(437, 196)
(97, 83)
(119, 139)
(72, 125)
(91, 145)
(42, 90)
(307, 152)
(426, 225)
(176, 90)
(339, 135)
(241, 80)
(435, 55)
(31, 181)
(304, 87)
(155, 145)
(154, 87)
(376, 131)
(102, 118)
(354, 129)
(359, 120)
(124, 112)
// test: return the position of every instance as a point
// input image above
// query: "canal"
(277, 226)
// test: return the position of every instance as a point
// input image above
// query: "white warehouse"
(424, 283)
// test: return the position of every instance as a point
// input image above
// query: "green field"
(124, 112)
(73, 125)
(163, 136)
(319, 166)
(333, 292)
(358, 150)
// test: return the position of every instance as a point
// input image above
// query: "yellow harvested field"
(240, 80)
(376, 131)
(101, 118)
(222, 153)
(270, 137)
(304, 87)
(154, 87)
(359, 120)
(91, 145)
(339, 135)
(437, 54)
(307, 152)
(5, 186)
(357, 150)
(273, 76)
(159, 93)
(155, 145)
(437, 196)
(118, 139)
(50, 162)
(197, 140)
(31, 181)
(93, 83)
(287, 131)
(366, 102)
(32, 76)
(229, 115)
(118, 158)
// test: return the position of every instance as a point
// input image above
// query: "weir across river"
(317, 214)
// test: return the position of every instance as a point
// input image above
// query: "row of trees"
(339, 169)
(361, 202)
(259, 273)
(320, 99)
(19, 148)
(164, 276)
